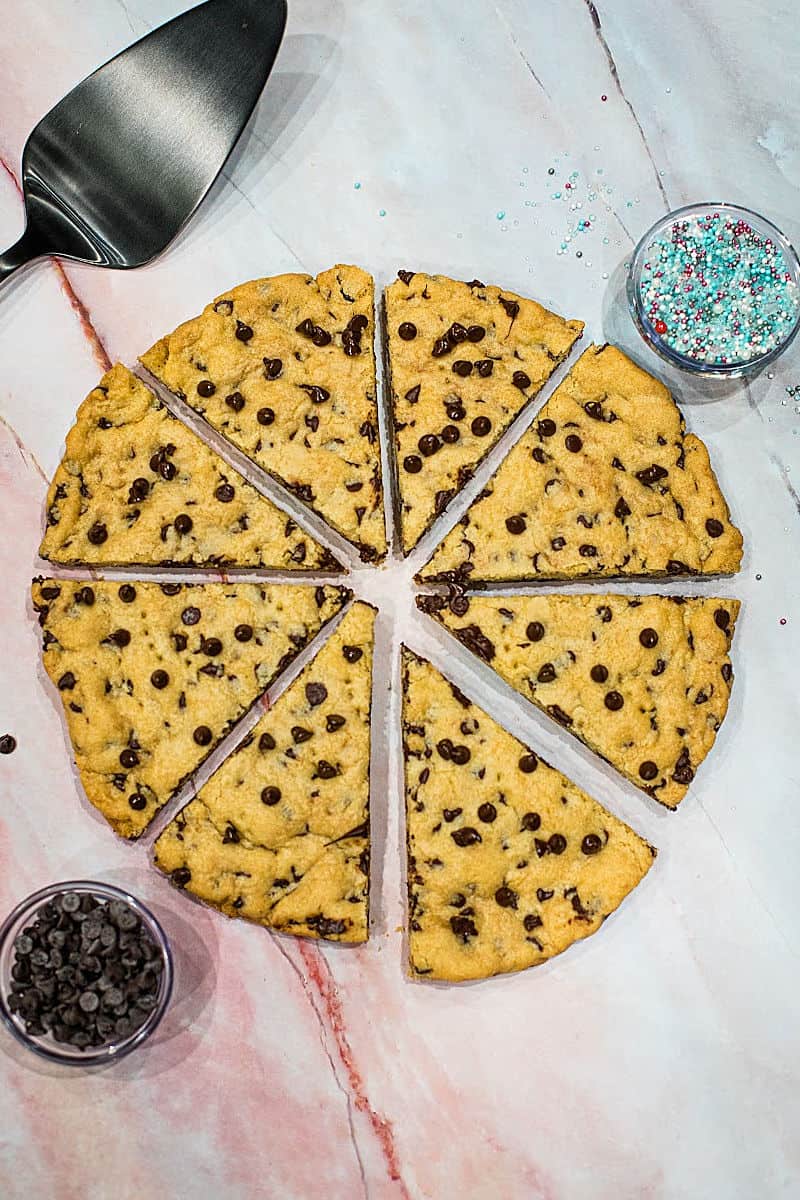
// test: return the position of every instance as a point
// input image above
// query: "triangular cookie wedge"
(135, 486)
(464, 359)
(644, 681)
(285, 369)
(606, 482)
(280, 833)
(152, 675)
(509, 862)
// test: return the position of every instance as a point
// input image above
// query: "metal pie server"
(113, 172)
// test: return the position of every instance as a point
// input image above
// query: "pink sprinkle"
(604, 98)
(783, 620)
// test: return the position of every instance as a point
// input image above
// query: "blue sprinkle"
(382, 212)
(500, 214)
(356, 186)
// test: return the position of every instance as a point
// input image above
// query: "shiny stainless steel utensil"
(120, 164)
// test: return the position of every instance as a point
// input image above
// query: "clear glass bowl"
(45, 1045)
(643, 322)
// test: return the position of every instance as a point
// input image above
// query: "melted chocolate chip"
(726, 670)
(506, 897)
(67, 682)
(722, 619)
(511, 307)
(614, 701)
(450, 434)
(273, 368)
(300, 734)
(558, 543)
(649, 638)
(449, 814)
(648, 769)
(460, 755)
(266, 742)
(243, 332)
(473, 637)
(352, 653)
(334, 721)
(462, 367)
(546, 673)
(181, 876)
(317, 395)
(683, 772)
(587, 551)
(516, 524)
(441, 347)
(659, 668)
(651, 474)
(466, 836)
(531, 922)
(316, 693)
(138, 491)
(476, 333)
(714, 528)
(406, 276)
(481, 426)
(463, 927)
(407, 331)
(556, 843)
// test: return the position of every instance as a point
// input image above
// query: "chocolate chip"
(506, 897)
(181, 876)
(316, 693)
(599, 673)
(8, 743)
(137, 801)
(120, 638)
(270, 795)
(558, 543)
(300, 734)
(273, 369)
(484, 367)
(481, 426)
(224, 306)
(266, 742)
(522, 381)
(352, 653)
(326, 770)
(516, 524)
(412, 464)
(180, 640)
(407, 331)
(159, 679)
(51, 593)
(722, 619)
(449, 434)
(406, 276)
(235, 401)
(191, 615)
(466, 836)
(546, 673)
(726, 670)
(473, 637)
(573, 443)
(587, 551)
(202, 735)
(167, 470)
(683, 772)
(531, 922)
(265, 416)
(476, 333)
(659, 668)
(231, 835)
(648, 769)
(67, 682)
(211, 646)
(412, 395)
(556, 843)
(511, 307)
(321, 337)
(243, 332)
(460, 755)
(462, 367)
(225, 493)
(449, 814)
(138, 491)
(487, 813)
(535, 631)
(531, 821)
(594, 410)
(97, 534)
(205, 388)
(334, 721)
(649, 638)
(456, 412)
(651, 474)
(170, 589)
(441, 347)
(463, 927)
(621, 509)
(714, 528)
(316, 394)
(614, 701)
(129, 758)
(428, 444)
(592, 844)
(546, 427)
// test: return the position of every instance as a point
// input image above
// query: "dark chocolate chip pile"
(85, 972)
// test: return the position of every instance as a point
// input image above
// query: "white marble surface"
(660, 1059)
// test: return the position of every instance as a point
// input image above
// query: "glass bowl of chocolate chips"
(85, 973)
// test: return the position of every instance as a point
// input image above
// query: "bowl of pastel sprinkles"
(715, 289)
(85, 973)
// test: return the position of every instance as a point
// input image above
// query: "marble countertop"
(661, 1057)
